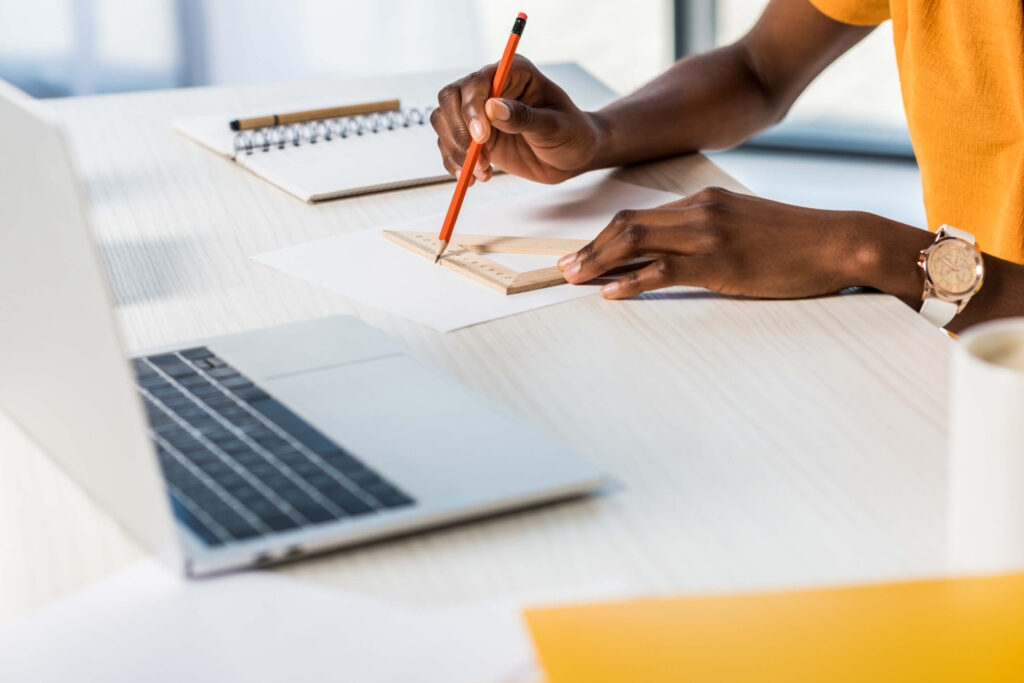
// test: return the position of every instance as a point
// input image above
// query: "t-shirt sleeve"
(859, 12)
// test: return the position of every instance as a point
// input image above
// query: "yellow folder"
(939, 630)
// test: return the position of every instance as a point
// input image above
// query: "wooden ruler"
(464, 256)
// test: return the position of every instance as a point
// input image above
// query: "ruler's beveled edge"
(482, 269)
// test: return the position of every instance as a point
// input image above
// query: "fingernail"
(480, 175)
(501, 110)
(610, 288)
(476, 129)
(573, 271)
(566, 260)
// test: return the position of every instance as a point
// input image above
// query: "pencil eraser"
(521, 15)
(235, 125)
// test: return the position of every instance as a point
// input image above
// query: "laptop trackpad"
(401, 418)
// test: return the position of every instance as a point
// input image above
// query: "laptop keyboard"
(238, 463)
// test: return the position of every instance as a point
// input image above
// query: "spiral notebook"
(331, 158)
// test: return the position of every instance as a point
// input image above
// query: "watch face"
(954, 267)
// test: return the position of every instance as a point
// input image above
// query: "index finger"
(622, 221)
(635, 241)
(476, 89)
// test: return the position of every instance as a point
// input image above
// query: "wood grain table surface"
(751, 443)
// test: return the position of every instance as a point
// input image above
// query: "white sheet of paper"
(146, 624)
(366, 267)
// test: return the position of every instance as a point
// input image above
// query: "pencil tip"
(235, 125)
(437, 258)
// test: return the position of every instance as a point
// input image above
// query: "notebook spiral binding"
(311, 132)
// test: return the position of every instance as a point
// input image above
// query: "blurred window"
(71, 47)
(854, 106)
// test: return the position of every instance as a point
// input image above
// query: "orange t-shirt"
(961, 68)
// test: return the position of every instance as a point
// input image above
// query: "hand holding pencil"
(497, 85)
(532, 130)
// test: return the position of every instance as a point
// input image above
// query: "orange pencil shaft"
(473, 153)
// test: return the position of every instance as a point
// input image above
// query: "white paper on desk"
(364, 266)
(146, 624)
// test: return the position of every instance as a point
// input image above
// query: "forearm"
(888, 262)
(709, 101)
(721, 98)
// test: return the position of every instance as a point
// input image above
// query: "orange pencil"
(497, 85)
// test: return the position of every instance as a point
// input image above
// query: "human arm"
(708, 101)
(742, 245)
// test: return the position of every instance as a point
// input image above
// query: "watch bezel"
(937, 290)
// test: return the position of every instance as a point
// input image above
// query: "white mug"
(986, 450)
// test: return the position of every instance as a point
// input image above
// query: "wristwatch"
(953, 273)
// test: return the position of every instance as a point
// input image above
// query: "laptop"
(244, 449)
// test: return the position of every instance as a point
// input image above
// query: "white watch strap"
(938, 312)
(958, 233)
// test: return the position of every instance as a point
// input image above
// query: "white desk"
(756, 443)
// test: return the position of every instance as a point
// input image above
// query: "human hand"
(533, 130)
(736, 244)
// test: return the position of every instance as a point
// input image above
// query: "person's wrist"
(884, 256)
(603, 139)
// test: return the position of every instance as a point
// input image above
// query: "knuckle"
(630, 283)
(712, 193)
(435, 117)
(462, 141)
(664, 270)
(476, 83)
(633, 235)
(449, 94)
(624, 217)
(522, 62)
(523, 114)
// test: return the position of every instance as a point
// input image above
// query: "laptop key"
(142, 368)
(196, 353)
(297, 498)
(243, 531)
(252, 393)
(246, 493)
(320, 480)
(172, 365)
(341, 460)
(165, 391)
(307, 468)
(316, 513)
(236, 382)
(280, 522)
(364, 477)
(393, 498)
(262, 507)
(346, 500)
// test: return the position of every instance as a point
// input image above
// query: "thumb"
(512, 116)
